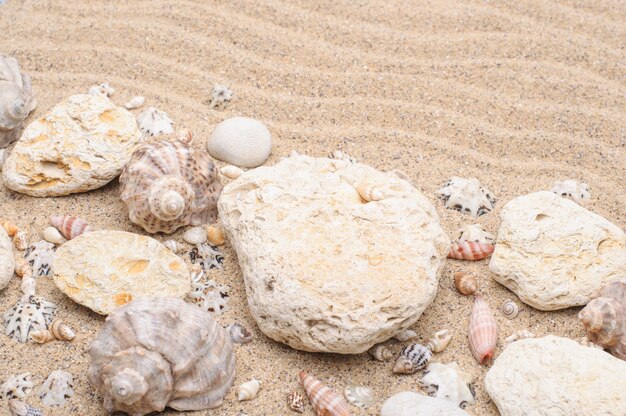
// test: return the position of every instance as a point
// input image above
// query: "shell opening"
(128, 386)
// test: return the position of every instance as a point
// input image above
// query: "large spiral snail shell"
(16, 100)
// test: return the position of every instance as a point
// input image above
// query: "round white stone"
(241, 141)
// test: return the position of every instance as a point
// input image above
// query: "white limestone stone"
(408, 403)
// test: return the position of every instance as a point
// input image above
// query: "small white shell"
(52, 235)
(440, 340)
(360, 396)
(20, 240)
(16, 387)
(135, 102)
(239, 334)
(102, 89)
(248, 390)
(220, 95)
(573, 189)
(153, 122)
(57, 388)
(509, 309)
(171, 245)
(517, 335)
(231, 171)
(195, 235)
(405, 335)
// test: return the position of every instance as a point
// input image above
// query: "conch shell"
(153, 353)
(16, 100)
(325, 401)
(169, 184)
(474, 243)
(483, 331)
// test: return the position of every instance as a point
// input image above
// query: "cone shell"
(61, 330)
(9, 227)
(470, 250)
(248, 390)
(169, 184)
(325, 401)
(369, 192)
(465, 283)
(483, 331)
(295, 401)
(70, 227)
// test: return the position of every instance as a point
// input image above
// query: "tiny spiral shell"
(325, 401)
(465, 283)
(171, 245)
(248, 390)
(22, 268)
(61, 330)
(239, 334)
(231, 172)
(411, 359)
(509, 309)
(42, 336)
(369, 192)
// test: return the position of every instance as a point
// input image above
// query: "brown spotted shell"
(16, 100)
(169, 184)
(153, 353)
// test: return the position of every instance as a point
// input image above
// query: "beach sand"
(516, 93)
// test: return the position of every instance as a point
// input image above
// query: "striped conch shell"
(474, 243)
(57, 330)
(325, 401)
(295, 401)
(439, 341)
(411, 359)
(465, 283)
(70, 227)
(248, 390)
(9, 227)
(483, 331)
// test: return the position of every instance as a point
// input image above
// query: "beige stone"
(557, 376)
(553, 253)
(81, 144)
(7, 262)
(324, 269)
(106, 269)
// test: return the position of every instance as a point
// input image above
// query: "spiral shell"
(359, 396)
(16, 100)
(465, 283)
(69, 226)
(61, 330)
(483, 331)
(411, 359)
(380, 352)
(509, 309)
(168, 185)
(369, 192)
(474, 243)
(325, 401)
(52, 235)
(9, 227)
(153, 353)
(439, 341)
(295, 401)
(248, 390)
(171, 245)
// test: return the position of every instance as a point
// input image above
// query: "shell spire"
(483, 331)
(325, 401)
(70, 227)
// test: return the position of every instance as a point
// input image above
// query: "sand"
(516, 93)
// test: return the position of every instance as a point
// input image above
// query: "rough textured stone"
(241, 141)
(81, 144)
(106, 269)
(408, 403)
(553, 253)
(324, 269)
(7, 262)
(557, 377)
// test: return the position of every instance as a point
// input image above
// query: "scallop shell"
(448, 382)
(573, 189)
(405, 335)
(153, 353)
(473, 243)
(16, 100)
(231, 172)
(465, 283)
(380, 352)
(30, 313)
(360, 396)
(517, 335)
(102, 89)
(28, 286)
(467, 195)
(248, 390)
(135, 102)
(9, 227)
(509, 309)
(52, 235)
(215, 234)
(439, 341)
(20, 240)
(220, 95)
(295, 401)
(40, 255)
(412, 358)
(19, 408)
(483, 331)
(16, 387)
(58, 387)
(153, 122)
(325, 401)
(239, 334)
(70, 227)
(168, 185)
(370, 192)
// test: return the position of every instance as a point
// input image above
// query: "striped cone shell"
(61, 330)
(483, 331)
(325, 401)
(470, 250)
(70, 227)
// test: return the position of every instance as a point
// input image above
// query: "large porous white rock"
(553, 253)
(241, 141)
(408, 403)
(106, 269)
(325, 269)
(557, 376)
(7, 262)
(81, 144)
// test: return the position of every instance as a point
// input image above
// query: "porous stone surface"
(553, 253)
(106, 269)
(324, 269)
(408, 403)
(7, 262)
(241, 141)
(81, 144)
(556, 376)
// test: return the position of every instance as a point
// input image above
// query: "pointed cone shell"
(483, 331)
(325, 401)
(69, 226)
(61, 330)
(470, 250)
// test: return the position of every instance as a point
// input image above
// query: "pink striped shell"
(70, 227)
(325, 401)
(470, 250)
(483, 331)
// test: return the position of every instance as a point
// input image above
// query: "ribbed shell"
(483, 331)
(412, 358)
(70, 227)
(184, 357)
(16, 100)
(170, 167)
(325, 401)
(470, 250)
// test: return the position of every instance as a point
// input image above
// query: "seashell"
(295, 401)
(474, 243)
(369, 192)
(411, 359)
(153, 353)
(380, 352)
(28, 285)
(185, 135)
(22, 267)
(102, 89)
(483, 331)
(61, 330)
(573, 189)
(467, 195)
(220, 95)
(58, 387)
(19, 408)
(39, 255)
(448, 382)
(339, 155)
(509, 309)
(215, 234)
(405, 335)
(359, 396)
(231, 172)
(20, 240)
(135, 102)
(207, 257)
(30, 313)
(208, 294)
(239, 334)
(325, 401)
(195, 235)
(604, 318)
(439, 341)
(17, 100)
(465, 283)
(517, 335)
(52, 235)
(584, 341)
(42, 336)
(70, 227)
(168, 185)
(16, 387)
(171, 245)
(153, 122)
(9, 227)
(248, 390)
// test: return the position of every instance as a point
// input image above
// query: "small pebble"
(52, 235)
(195, 235)
(231, 172)
(241, 141)
(135, 102)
